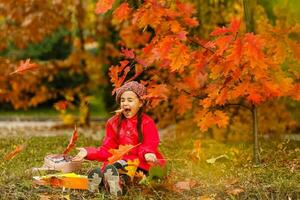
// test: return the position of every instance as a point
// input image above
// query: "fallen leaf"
(204, 197)
(13, 153)
(185, 185)
(213, 160)
(132, 167)
(235, 191)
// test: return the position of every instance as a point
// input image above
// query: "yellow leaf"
(131, 167)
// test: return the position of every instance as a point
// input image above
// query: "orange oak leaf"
(25, 66)
(115, 71)
(156, 93)
(128, 53)
(180, 57)
(122, 12)
(13, 153)
(220, 31)
(117, 154)
(72, 141)
(103, 5)
(221, 119)
(184, 103)
(235, 25)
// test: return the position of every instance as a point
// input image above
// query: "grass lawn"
(190, 175)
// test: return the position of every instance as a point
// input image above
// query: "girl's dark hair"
(138, 125)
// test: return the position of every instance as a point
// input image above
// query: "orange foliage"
(117, 154)
(229, 68)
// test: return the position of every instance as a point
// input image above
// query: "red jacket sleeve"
(150, 139)
(110, 142)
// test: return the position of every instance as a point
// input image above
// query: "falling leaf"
(196, 150)
(61, 105)
(13, 153)
(72, 141)
(25, 66)
(132, 167)
(213, 160)
(117, 154)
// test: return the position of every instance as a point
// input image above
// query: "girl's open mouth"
(127, 110)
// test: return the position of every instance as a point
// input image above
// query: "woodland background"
(216, 71)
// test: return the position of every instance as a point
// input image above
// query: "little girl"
(131, 126)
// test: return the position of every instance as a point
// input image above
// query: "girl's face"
(130, 103)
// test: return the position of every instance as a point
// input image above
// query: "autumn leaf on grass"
(103, 5)
(132, 167)
(117, 154)
(13, 153)
(213, 160)
(72, 141)
(25, 66)
(185, 185)
(235, 191)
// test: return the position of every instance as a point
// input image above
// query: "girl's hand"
(150, 157)
(80, 155)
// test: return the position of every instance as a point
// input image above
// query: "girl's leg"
(95, 179)
(112, 180)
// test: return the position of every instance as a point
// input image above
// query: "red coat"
(128, 135)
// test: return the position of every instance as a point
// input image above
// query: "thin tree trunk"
(249, 6)
(255, 135)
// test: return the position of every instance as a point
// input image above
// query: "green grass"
(234, 178)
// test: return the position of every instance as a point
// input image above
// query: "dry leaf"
(25, 66)
(72, 141)
(13, 153)
(185, 185)
(204, 197)
(235, 191)
(131, 167)
(117, 154)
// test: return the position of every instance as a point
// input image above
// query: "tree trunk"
(255, 135)
(249, 7)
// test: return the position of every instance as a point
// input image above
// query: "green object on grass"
(158, 171)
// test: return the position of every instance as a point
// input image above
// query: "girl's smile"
(130, 103)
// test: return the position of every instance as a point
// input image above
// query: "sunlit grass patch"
(232, 176)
